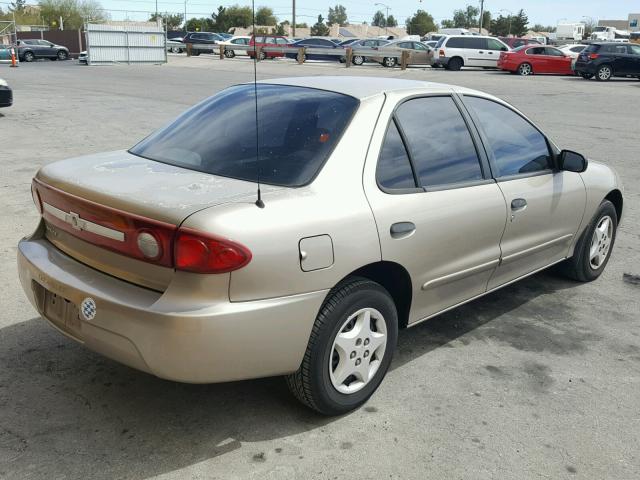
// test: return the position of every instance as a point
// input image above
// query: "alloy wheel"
(358, 350)
(525, 69)
(604, 73)
(601, 242)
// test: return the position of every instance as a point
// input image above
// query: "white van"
(456, 51)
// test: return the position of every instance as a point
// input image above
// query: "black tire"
(53, 59)
(389, 62)
(29, 57)
(604, 73)
(358, 60)
(587, 76)
(229, 53)
(455, 64)
(62, 55)
(579, 266)
(525, 69)
(195, 53)
(312, 384)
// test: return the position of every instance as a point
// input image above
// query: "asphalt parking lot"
(538, 380)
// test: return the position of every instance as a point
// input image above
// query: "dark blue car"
(315, 43)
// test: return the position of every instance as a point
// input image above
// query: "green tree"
(74, 13)
(467, 18)
(519, 24)
(486, 19)
(171, 20)
(229, 17)
(319, 29)
(265, 16)
(279, 29)
(447, 24)
(379, 19)
(421, 23)
(391, 21)
(202, 24)
(337, 16)
(501, 26)
(17, 6)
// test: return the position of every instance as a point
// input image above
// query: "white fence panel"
(125, 43)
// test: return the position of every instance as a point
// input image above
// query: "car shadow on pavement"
(67, 412)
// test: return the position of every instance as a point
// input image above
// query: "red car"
(268, 41)
(530, 59)
(515, 42)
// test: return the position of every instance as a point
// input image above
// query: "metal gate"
(128, 43)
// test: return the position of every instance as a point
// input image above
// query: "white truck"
(609, 34)
(570, 31)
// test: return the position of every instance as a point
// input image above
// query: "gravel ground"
(538, 380)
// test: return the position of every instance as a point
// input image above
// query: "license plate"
(58, 310)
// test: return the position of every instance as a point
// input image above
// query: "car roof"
(364, 87)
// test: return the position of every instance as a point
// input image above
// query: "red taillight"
(593, 56)
(441, 53)
(203, 253)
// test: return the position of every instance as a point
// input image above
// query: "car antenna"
(259, 202)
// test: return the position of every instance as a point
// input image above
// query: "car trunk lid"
(95, 207)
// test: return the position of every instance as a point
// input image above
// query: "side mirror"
(572, 161)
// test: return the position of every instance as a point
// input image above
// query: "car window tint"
(554, 52)
(297, 130)
(271, 41)
(405, 45)
(634, 49)
(517, 146)
(493, 44)
(475, 42)
(576, 49)
(444, 153)
(518, 43)
(536, 51)
(394, 170)
(281, 41)
(455, 42)
(419, 46)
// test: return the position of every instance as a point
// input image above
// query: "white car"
(175, 45)
(573, 49)
(456, 51)
(231, 52)
(83, 57)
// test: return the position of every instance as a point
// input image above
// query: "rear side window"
(475, 42)
(517, 146)
(592, 48)
(455, 42)
(444, 153)
(394, 169)
(493, 44)
(440, 42)
(297, 130)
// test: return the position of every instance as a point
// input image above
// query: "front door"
(545, 206)
(477, 52)
(420, 54)
(494, 47)
(438, 212)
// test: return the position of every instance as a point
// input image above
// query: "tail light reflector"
(204, 253)
(593, 56)
(441, 53)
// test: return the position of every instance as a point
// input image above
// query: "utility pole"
(293, 25)
(481, 15)
(386, 20)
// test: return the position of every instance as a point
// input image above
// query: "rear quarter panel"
(333, 204)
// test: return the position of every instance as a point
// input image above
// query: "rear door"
(420, 54)
(477, 53)
(545, 205)
(635, 57)
(539, 61)
(438, 212)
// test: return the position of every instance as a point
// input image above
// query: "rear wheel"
(29, 57)
(62, 55)
(455, 64)
(357, 60)
(604, 73)
(389, 62)
(525, 69)
(349, 349)
(262, 56)
(593, 250)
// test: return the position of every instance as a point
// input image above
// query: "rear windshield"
(297, 130)
(594, 47)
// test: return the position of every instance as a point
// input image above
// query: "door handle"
(480, 51)
(518, 204)
(402, 229)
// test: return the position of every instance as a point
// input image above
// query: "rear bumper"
(585, 67)
(443, 61)
(164, 333)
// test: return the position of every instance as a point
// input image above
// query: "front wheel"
(593, 250)
(357, 60)
(389, 62)
(262, 55)
(349, 350)
(62, 55)
(29, 57)
(229, 53)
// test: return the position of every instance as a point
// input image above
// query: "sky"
(547, 12)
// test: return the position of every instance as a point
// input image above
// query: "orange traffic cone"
(13, 57)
